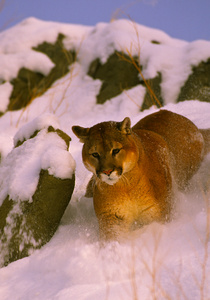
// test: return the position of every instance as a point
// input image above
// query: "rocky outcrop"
(30, 84)
(37, 181)
(119, 74)
(116, 54)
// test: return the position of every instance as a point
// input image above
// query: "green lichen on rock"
(29, 85)
(197, 85)
(117, 74)
(26, 225)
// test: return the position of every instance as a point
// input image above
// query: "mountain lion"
(135, 170)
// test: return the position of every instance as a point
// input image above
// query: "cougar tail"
(206, 136)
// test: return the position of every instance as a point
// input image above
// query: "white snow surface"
(5, 91)
(170, 261)
(40, 122)
(19, 170)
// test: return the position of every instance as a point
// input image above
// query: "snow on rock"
(33, 60)
(171, 57)
(32, 177)
(6, 145)
(47, 150)
(156, 52)
(134, 37)
(16, 45)
(21, 180)
(31, 32)
(40, 122)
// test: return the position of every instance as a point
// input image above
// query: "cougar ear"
(125, 126)
(81, 133)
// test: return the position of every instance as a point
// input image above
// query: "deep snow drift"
(159, 261)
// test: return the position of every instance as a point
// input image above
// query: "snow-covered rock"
(37, 181)
(121, 54)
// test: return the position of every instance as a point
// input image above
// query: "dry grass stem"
(132, 100)
(133, 61)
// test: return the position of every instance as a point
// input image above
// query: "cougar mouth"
(110, 176)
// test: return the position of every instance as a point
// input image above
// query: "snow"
(5, 92)
(168, 261)
(19, 172)
(40, 122)
(35, 61)
(31, 32)
(16, 46)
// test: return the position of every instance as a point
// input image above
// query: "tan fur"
(135, 170)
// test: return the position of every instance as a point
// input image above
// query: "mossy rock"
(29, 85)
(197, 87)
(26, 225)
(198, 84)
(36, 221)
(117, 74)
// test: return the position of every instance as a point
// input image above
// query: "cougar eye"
(95, 154)
(115, 151)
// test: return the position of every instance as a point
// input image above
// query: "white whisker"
(125, 179)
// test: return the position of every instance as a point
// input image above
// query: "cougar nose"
(107, 172)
